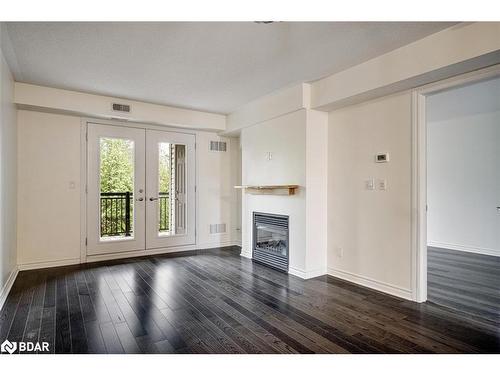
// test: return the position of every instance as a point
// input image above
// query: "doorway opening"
(460, 187)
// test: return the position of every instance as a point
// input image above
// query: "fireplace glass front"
(271, 240)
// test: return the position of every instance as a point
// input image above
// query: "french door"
(140, 189)
(170, 177)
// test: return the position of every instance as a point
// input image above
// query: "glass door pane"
(179, 187)
(171, 199)
(117, 188)
(164, 178)
(170, 181)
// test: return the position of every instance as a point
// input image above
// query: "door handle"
(140, 199)
(153, 199)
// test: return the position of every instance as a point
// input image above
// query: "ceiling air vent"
(121, 107)
(218, 146)
(217, 228)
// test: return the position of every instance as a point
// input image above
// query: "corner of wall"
(4, 291)
(316, 193)
(8, 180)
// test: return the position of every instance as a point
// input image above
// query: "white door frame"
(419, 171)
(84, 257)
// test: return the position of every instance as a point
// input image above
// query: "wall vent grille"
(121, 107)
(217, 228)
(218, 146)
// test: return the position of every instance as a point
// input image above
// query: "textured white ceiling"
(213, 66)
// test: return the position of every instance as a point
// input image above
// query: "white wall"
(83, 104)
(316, 193)
(49, 211)
(279, 103)
(456, 50)
(8, 170)
(217, 173)
(285, 137)
(463, 169)
(235, 159)
(369, 230)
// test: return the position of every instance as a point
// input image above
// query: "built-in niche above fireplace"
(270, 240)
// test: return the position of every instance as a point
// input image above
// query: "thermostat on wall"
(382, 157)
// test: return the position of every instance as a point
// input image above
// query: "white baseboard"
(48, 264)
(306, 274)
(297, 272)
(159, 251)
(372, 283)
(294, 271)
(123, 255)
(213, 245)
(315, 273)
(139, 253)
(8, 286)
(246, 254)
(468, 249)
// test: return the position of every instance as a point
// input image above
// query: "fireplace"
(270, 240)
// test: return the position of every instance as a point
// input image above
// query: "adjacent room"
(463, 180)
(250, 187)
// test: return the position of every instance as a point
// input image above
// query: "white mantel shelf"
(269, 189)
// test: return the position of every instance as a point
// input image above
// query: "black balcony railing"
(117, 213)
(164, 214)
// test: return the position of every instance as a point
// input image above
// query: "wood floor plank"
(76, 321)
(111, 340)
(303, 323)
(63, 330)
(48, 322)
(466, 282)
(271, 342)
(215, 301)
(127, 340)
(87, 306)
(205, 303)
(32, 330)
(97, 276)
(367, 317)
(95, 341)
(98, 303)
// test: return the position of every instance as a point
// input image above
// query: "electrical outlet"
(340, 252)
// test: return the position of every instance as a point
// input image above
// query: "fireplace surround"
(271, 240)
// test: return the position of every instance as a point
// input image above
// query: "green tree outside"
(117, 176)
(117, 165)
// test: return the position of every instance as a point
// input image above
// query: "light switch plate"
(370, 184)
(382, 184)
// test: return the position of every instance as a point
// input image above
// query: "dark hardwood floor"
(218, 302)
(467, 282)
